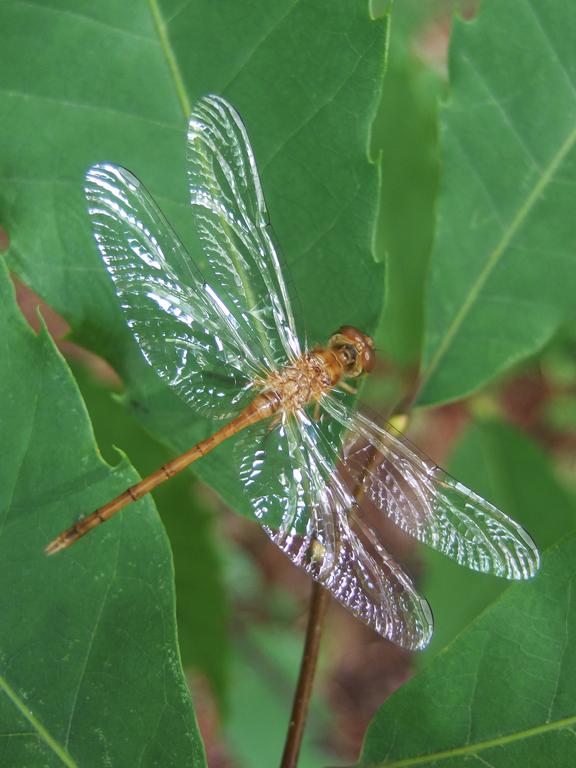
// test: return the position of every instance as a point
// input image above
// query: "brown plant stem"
(316, 612)
(301, 701)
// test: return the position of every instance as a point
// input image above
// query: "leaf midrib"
(497, 254)
(170, 58)
(482, 745)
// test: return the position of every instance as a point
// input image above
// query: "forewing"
(289, 477)
(232, 222)
(428, 503)
(186, 333)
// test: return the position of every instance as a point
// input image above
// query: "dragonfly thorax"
(302, 382)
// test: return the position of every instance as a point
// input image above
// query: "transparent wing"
(185, 331)
(232, 222)
(428, 503)
(309, 514)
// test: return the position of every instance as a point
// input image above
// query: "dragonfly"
(224, 339)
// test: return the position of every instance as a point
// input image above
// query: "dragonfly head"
(354, 350)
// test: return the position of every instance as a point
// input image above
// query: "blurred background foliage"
(240, 633)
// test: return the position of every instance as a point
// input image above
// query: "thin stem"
(318, 603)
(317, 611)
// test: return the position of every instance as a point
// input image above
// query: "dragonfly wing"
(232, 221)
(427, 502)
(186, 333)
(304, 509)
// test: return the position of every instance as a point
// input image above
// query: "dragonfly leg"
(273, 423)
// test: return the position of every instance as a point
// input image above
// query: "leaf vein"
(27, 443)
(87, 19)
(564, 649)
(497, 253)
(170, 58)
(39, 728)
(498, 104)
(316, 111)
(329, 228)
(553, 51)
(91, 644)
(473, 749)
(258, 44)
(94, 107)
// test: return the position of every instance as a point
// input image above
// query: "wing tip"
(413, 635)
(105, 172)
(531, 563)
(202, 115)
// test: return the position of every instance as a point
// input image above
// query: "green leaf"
(82, 82)
(502, 694)
(404, 134)
(114, 82)
(201, 610)
(508, 468)
(503, 273)
(89, 667)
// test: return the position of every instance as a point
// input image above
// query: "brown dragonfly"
(225, 340)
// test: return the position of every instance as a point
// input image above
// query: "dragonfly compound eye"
(352, 334)
(368, 359)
